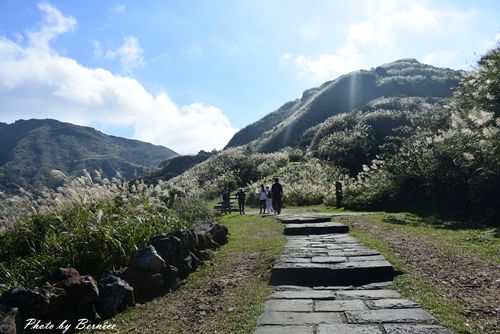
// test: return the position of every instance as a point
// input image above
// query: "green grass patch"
(478, 243)
(93, 238)
(255, 242)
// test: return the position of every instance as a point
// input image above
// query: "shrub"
(448, 160)
(304, 183)
(92, 224)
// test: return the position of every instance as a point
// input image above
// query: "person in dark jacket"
(277, 194)
(241, 201)
(222, 206)
(226, 201)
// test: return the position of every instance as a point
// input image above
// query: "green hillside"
(175, 166)
(402, 136)
(30, 149)
(402, 78)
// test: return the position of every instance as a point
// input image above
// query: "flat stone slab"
(289, 305)
(316, 217)
(368, 294)
(284, 330)
(416, 329)
(299, 318)
(390, 303)
(304, 294)
(299, 219)
(339, 305)
(348, 329)
(414, 315)
(371, 286)
(315, 228)
(328, 259)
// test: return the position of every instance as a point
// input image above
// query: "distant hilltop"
(30, 149)
(288, 125)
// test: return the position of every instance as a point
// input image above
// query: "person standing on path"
(262, 199)
(269, 200)
(277, 195)
(226, 198)
(222, 206)
(241, 201)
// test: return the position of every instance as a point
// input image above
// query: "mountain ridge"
(404, 77)
(32, 148)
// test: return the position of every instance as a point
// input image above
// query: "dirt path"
(471, 281)
(222, 296)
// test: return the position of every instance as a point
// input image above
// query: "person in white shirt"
(269, 200)
(262, 199)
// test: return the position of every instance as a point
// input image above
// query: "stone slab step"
(329, 259)
(315, 228)
(342, 273)
(303, 219)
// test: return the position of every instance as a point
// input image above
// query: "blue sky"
(188, 74)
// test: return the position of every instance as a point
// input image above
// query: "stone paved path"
(330, 283)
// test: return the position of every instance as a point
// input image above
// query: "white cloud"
(117, 9)
(129, 54)
(390, 27)
(97, 49)
(324, 66)
(36, 82)
(441, 57)
(55, 23)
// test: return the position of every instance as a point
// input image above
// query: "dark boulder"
(35, 303)
(205, 254)
(216, 231)
(185, 241)
(82, 293)
(188, 238)
(60, 274)
(203, 240)
(146, 284)
(148, 259)
(171, 277)
(188, 264)
(115, 295)
(168, 246)
(10, 321)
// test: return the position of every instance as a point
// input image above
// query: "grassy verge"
(241, 268)
(480, 244)
(475, 240)
(92, 238)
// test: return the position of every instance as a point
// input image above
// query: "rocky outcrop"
(162, 265)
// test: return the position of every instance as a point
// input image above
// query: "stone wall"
(161, 266)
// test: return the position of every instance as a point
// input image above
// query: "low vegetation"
(92, 224)
(224, 296)
(448, 160)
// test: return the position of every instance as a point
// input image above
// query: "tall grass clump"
(231, 168)
(308, 182)
(92, 224)
(448, 160)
